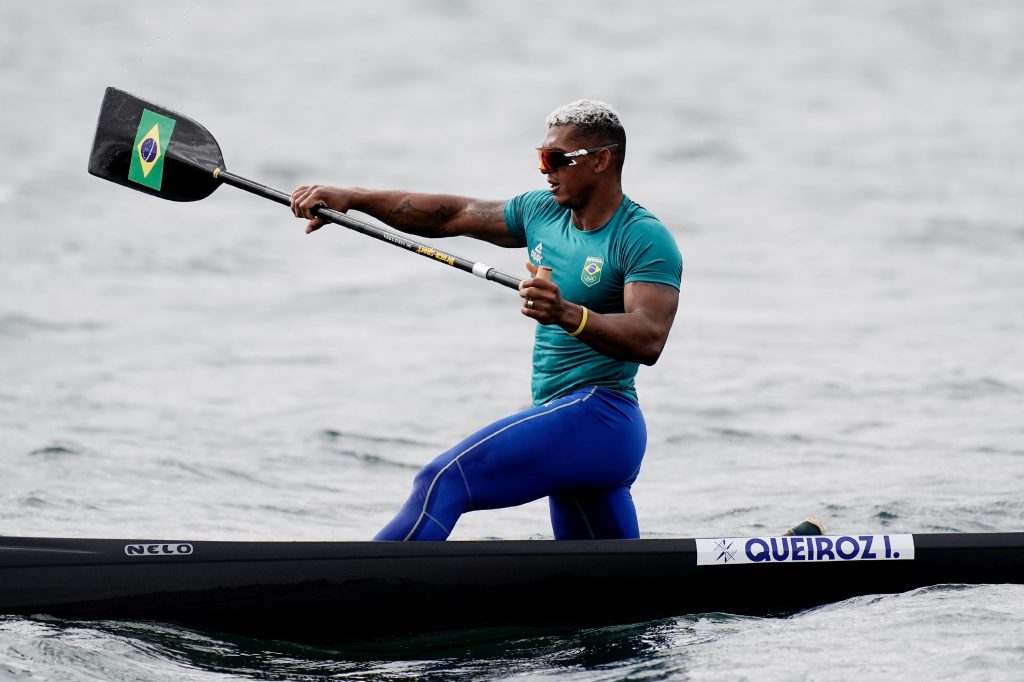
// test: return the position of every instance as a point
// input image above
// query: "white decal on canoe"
(802, 548)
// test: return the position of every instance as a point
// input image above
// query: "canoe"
(334, 592)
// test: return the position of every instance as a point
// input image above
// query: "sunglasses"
(553, 159)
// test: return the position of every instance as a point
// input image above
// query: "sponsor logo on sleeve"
(537, 254)
(804, 548)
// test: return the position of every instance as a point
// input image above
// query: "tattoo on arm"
(487, 212)
(443, 215)
(405, 214)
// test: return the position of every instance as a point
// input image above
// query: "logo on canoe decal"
(151, 140)
(591, 274)
(793, 548)
(159, 549)
(725, 551)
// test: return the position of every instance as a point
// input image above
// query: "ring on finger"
(529, 303)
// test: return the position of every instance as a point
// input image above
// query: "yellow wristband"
(583, 323)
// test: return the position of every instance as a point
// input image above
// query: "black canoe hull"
(323, 592)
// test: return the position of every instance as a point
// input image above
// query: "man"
(607, 307)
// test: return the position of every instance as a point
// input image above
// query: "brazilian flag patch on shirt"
(591, 274)
(151, 140)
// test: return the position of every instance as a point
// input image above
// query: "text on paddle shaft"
(436, 255)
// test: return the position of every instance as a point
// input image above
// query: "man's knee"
(440, 478)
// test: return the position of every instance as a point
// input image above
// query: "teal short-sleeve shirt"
(591, 268)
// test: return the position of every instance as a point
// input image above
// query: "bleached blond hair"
(584, 113)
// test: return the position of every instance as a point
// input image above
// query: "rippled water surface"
(844, 180)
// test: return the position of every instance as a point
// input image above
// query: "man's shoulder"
(645, 241)
(636, 213)
(533, 209)
(535, 200)
(638, 223)
(534, 194)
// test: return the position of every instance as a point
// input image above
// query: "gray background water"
(846, 181)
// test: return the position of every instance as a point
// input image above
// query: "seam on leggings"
(455, 460)
(440, 525)
(466, 481)
(583, 514)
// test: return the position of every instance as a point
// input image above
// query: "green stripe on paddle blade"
(152, 149)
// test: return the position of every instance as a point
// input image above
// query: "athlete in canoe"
(606, 309)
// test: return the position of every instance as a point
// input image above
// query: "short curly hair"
(596, 121)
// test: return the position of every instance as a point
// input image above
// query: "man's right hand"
(307, 197)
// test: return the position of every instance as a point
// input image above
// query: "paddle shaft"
(479, 269)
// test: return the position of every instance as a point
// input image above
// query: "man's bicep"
(485, 220)
(653, 299)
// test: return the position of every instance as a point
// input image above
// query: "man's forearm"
(426, 215)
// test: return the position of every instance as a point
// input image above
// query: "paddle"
(151, 149)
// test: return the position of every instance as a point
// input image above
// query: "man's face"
(571, 186)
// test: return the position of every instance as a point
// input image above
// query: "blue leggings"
(582, 451)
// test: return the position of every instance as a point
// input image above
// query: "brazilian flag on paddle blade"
(151, 140)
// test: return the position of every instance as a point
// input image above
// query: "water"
(844, 181)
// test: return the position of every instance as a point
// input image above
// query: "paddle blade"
(151, 149)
